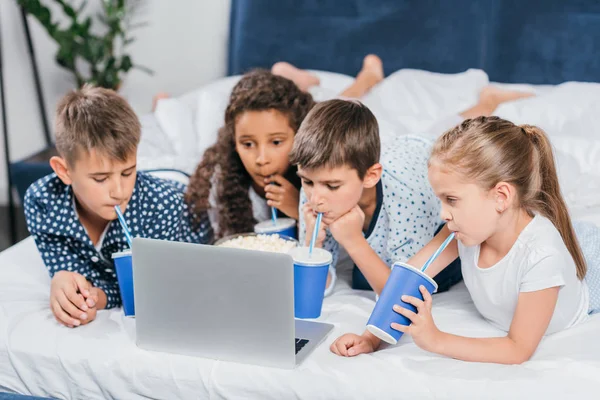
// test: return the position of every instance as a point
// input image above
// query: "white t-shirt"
(538, 260)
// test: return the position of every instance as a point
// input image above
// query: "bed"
(436, 54)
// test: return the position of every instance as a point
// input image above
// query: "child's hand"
(423, 329)
(348, 228)
(96, 301)
(350, 345)
(309, 222)
(282, 195)
(97, 298)
(68, 294)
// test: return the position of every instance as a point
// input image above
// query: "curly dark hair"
(258, 90)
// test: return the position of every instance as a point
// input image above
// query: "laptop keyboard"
(300, 343)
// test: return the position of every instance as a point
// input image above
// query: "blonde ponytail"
(549, 201)
(488, 150)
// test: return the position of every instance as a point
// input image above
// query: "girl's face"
(468, 209)
(263, 140)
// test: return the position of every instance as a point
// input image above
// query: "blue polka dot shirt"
(407, 213)
(156, 210)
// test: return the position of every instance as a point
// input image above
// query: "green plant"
(99, 59)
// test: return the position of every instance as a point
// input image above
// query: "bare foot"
(303, 79)
(495, 96)
(490, 98)
(370, 75)
(157, 97)
(372, 71)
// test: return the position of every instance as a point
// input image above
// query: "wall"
(185, 44)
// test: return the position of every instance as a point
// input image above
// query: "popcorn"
(273, 243)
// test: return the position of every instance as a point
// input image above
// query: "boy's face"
(334, 191)
(98, 182)
(263, 140)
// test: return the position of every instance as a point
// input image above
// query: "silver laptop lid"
(208, 301)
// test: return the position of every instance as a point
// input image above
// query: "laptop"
(220, 303)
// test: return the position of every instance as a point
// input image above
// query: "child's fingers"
(75, 298)
(333, 348)
(278, 179)
(359, 347)
(274, 189)
(70, 308)
(91, 315)
(82, 284)
(62, 317)
(61, 322)
(93, 299)
(400, 328)
(274, 203)
(426, 297)
(273, 196)
(342, 348)
(405, 311)
(418, 303)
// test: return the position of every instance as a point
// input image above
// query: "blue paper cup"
(404, 280)
(310, 278)
(124, 269)
(283, 226)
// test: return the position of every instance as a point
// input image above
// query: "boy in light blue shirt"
(376, 204)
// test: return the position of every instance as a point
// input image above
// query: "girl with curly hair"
(247, 170)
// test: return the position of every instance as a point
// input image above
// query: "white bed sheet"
(39, 357)
(100, 360)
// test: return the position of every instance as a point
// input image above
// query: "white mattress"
(100, 360)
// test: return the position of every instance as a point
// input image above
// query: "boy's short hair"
(99, 119)
(337, 133)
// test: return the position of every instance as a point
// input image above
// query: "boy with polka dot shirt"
(376, 204)
(71, 213)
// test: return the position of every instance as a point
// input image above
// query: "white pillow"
(569, 113)
(414, 100)
(176, 121)
(210, 112)
(170, 174)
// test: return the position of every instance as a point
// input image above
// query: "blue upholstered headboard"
(533, 41)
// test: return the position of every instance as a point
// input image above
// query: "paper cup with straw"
(310, 279)
(311, 266)
(404, 280)
(124, 269)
